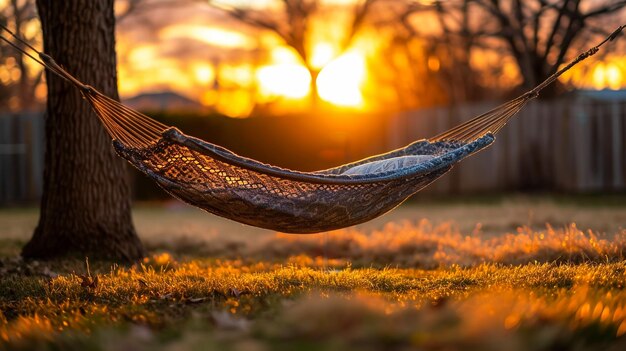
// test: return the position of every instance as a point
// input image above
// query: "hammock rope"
(217, 180)
(494, 120)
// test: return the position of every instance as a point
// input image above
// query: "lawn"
(486, 275)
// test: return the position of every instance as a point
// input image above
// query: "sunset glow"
(209, 35)
(340, 81)
(144, 69)
(323, 53)
(202, 54)
(610, 73)
(285, 80)
(278, 74)
(607, 76)
(205, 74)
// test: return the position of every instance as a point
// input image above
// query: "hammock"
(219, 181)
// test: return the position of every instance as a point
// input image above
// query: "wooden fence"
(21, 157)
(574, 144)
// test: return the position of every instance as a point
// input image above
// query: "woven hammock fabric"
(221, 182)
(244, 190)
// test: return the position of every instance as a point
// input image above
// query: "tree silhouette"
(291, 21)
(538, 34)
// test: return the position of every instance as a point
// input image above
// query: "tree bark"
(85, 208)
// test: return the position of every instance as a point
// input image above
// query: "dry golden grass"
(226, 303)
(409, 284)
(427, 246)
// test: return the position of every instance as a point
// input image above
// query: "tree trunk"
(315, 96)
(85, 208)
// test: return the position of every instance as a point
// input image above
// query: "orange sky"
(197, 51)
(194, 45)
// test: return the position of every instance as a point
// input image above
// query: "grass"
(229, 303)
(404, 285)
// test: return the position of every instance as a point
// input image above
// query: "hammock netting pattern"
(217, 180)
(230, 186)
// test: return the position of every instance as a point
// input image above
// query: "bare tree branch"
(538, 34)
(292, 24)
(605, 9)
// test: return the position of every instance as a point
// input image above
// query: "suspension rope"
(130, 127)
(494, 120)
(44, 60)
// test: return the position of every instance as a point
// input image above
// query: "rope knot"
(532, 95)
(88, 89)
(45, 58)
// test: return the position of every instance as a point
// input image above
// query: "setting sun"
(285, 79)
(323, 53)
(220, 63)
(340, 81)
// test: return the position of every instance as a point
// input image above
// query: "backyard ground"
(514, 273)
